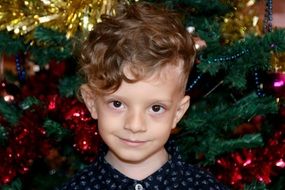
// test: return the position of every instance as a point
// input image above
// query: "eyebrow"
(164, 101)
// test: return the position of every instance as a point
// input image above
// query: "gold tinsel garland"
(68, 16)
(246, 20)
(241, 22)
(21, 17)
(278, 62)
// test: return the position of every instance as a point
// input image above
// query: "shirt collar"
(172, 168)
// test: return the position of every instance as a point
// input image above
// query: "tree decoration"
(20, 68)
(236, 25)
(7, 91)
(33, 125)
(268, 16)
(261, 164)
(278, 61)
(23, 17)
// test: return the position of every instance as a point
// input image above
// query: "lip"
(131, 142)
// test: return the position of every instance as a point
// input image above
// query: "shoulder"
(189, 176)
(200, 178)
(87, 178)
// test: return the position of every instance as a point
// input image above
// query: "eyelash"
(112, 103)
(161, 109)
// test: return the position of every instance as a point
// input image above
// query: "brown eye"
(156, 108)
(117, 104)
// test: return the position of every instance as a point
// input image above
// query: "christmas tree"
(235, 127)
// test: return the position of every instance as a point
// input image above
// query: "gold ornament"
(278, 62)
(243, 21)
(68, 16)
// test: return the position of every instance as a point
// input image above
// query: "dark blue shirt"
(175, 174)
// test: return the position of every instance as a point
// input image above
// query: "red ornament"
(57, 68)
(86, 139)
(27, 140)
(7, 174)
(275, 84)
(243, 167)
(8, 91)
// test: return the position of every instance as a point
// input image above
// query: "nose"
(135, 121)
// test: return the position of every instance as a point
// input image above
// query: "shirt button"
(138, 187)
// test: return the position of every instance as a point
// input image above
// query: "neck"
(141, 169)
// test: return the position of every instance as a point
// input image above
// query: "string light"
(216, 60)
(268, 17)
(267, 27)
(229, 57)
(259, 86)
(20, 69)
(190, 87)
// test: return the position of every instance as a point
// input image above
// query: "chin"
(132, 158)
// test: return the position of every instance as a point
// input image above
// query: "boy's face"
(136, 120)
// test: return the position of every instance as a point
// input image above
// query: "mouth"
(131, 142)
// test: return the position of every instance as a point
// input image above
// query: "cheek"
(105, 131)
(162, 125)
(108, 123)
(168, 118)
(160, 133)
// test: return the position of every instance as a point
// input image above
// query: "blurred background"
(235, 127)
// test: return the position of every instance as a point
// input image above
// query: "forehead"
(167, 72)
(170, 77)
(162, 85)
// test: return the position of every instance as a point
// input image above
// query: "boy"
(136, 66)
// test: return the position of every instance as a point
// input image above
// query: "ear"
(89, 99)
(182, 108)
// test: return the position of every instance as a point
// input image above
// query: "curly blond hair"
(144, 36)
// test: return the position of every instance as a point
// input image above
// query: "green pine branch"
(15, 185)
(28, 102)
(10, 112)
(215, 7)
(55, 130)
(50, 45)
(243, 57)
(3, 135)
(46, 45)
(69, 86)
(208, 127)
(202, 114)
(10, 45)
(255, 186)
